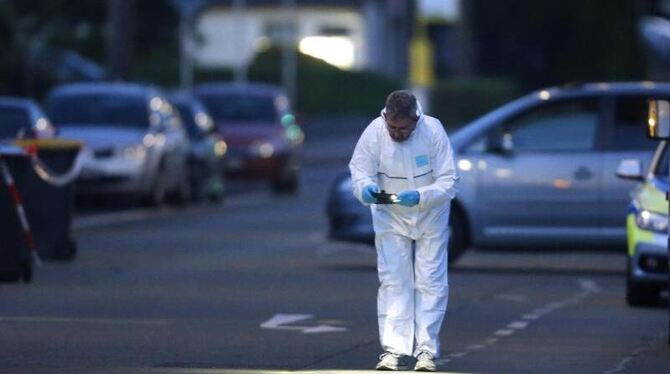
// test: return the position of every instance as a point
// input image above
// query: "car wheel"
(457, 235)
(156, 197)
(286, 184)
(638, 293)
(27, 272)
(184, 190)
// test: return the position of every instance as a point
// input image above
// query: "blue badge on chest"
(421, 160)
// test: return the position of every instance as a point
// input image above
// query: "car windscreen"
(225, 107)
(99, 109)
(14, 123)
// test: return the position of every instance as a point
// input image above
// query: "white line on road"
(587, 288)
(111, 321)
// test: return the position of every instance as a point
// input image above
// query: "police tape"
(20, 212)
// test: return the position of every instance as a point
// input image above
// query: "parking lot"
(253, 284)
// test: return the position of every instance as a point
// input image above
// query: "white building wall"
(228, 41)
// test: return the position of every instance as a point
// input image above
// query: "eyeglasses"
(402, 126)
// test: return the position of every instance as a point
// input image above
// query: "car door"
(626, 119)
(540, 177)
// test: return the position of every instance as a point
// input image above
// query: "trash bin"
(15, 261)
(48, 203)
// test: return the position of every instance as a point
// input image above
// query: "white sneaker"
(424, 362)
(390, 361)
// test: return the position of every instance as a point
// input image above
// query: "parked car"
(206, 156)
(22, 118)
(538, 171)
(134, 141)
(647, 229)
(264, 140)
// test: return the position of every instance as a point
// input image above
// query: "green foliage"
(460, 100)
(323, 88)
(543, 43)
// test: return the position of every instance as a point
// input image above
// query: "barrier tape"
(18, 204)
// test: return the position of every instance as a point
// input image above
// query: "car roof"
(122, 88)
(574, 90)
(239, 88)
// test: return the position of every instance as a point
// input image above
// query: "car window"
(240, 107)
(99, 109)
(562, 126)
(630, 120)
(14, 123)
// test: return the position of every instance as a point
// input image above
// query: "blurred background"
(136, 132)
(346, 54)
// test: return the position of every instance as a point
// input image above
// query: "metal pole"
(239, 7)
(185, 79)
(289, 61)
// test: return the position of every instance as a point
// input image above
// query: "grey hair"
(401, 104)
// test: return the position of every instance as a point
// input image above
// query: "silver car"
(134, 142)
(538, 171)
(22, 118)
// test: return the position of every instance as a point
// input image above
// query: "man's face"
(399, 128)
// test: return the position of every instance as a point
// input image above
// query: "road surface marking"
(518, 325)
(280, 322)
(587, 289)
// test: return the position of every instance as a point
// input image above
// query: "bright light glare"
(42, 124)
(465, 165)
(220, 148)
(156, 103)
(545, 95)
(335, 50)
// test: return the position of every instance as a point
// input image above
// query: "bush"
(321, 88)
(460, 100)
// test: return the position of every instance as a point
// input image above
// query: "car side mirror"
(506, 144)
(501, 142)
(658, 122)
(630, 169)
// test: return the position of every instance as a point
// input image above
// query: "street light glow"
(335, 50)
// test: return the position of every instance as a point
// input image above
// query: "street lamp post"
(187, 9)
(289, 61)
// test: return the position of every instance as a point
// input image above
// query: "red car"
(264, 140)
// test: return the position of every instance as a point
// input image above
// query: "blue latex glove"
(367, 193)
(409, 198)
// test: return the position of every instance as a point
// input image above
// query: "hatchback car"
(23, 119)
(647, 228)
(208, 148)
(538, 171)
(134, 141)
(264, 140)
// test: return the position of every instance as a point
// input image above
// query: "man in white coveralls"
(406, 152)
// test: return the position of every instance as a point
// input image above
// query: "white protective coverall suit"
(413, 292)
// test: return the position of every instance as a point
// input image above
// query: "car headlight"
(647, 220)
(263, 149)
(135, 152)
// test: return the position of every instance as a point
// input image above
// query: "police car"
(647, 229)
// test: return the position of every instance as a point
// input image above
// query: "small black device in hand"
(385, 198)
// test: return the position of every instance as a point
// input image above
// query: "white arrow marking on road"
(322, 328)
(279, 321)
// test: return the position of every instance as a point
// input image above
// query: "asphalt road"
(253, 285)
